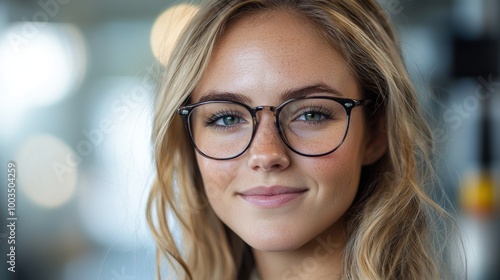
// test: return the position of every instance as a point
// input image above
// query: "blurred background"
(77, 80)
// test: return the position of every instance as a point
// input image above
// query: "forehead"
(263, 55)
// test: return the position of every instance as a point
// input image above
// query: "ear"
(376, 144)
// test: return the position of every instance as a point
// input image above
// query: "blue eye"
(228, 120)
(225, 119)
(311, 117)
(316, 114)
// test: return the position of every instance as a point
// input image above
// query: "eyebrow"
(229, 96)
(308, 90)
(287, 95)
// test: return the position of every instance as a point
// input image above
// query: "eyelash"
(210, 121)
(327, 114)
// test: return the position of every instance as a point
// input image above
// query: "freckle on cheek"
(215, 178)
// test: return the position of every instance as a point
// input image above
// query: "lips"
(271, 197)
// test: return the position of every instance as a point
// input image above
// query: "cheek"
(216, 175)
(339, 173)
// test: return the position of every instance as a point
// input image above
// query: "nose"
(267, 151)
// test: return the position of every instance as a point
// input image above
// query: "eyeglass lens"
(311, 126)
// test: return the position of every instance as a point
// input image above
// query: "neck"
(320, 258)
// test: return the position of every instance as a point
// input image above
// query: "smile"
(271, 197)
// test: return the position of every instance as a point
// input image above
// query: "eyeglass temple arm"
(363, 102)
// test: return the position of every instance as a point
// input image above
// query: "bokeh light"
(47, 173)
(51, 60)
(167, 28)
(38, 68)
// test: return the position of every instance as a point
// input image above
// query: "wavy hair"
(395, 229)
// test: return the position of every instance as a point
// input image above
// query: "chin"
(274, 247)
(275, 242)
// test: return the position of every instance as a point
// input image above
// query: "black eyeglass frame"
(347, 103)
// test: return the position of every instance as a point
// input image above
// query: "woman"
(289, 145)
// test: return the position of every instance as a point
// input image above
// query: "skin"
(260, 57)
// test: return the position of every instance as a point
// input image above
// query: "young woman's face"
(261, 58)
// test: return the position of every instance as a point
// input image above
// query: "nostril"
(276, 166)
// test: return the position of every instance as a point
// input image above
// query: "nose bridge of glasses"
(261, 109)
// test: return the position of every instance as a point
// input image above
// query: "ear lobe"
(376, 145)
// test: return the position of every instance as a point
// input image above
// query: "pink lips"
(270, 197)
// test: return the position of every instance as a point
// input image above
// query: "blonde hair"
(393, 227)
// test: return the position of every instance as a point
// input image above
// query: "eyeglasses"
(309, 126)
